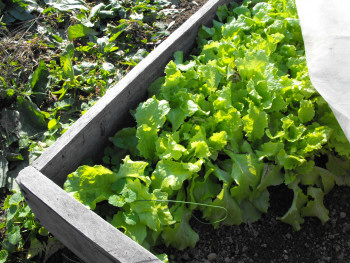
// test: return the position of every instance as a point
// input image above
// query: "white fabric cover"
(325, 27)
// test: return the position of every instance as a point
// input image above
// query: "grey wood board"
(87, 137)
(89, 236)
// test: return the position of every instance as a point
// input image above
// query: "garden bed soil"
(269, 240)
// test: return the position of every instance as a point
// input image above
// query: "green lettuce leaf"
(315, 207)
(151, 208)
(168, 148)
(254, 123)
(181, 235)
(147, 138)
(169, 176)
(132, 229)
(152, 113)
(90, 185)
(232, 215)
(247, 172)
(293, 215)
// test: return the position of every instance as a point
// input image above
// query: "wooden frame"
(84, 232)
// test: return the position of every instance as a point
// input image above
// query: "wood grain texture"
(89, 236)
(88, 136)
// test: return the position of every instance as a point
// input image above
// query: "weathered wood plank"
(87, 137)
(89, 236)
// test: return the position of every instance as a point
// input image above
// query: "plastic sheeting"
(325, 26)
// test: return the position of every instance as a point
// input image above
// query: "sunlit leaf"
(80, 30)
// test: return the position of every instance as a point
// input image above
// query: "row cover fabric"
(325, 26)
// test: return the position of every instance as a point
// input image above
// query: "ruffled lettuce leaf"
(90, 185)
(180, 235)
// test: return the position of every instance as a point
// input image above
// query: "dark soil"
(270, 240)
(188, 7)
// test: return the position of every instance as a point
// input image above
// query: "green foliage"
(49, 79)
(79, 30)
(25, 238)
(104, 42)
(13, 10)
(98, 178)
(220, 129)
(217, 131)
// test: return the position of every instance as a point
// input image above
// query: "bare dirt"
(188, 8)
(270, 240)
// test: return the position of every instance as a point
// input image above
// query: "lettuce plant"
(218, 130)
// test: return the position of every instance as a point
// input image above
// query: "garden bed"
(182, 10)
(251, 241)
(72, 223)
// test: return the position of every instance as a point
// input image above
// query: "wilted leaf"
(293, 215)
(315, 207)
